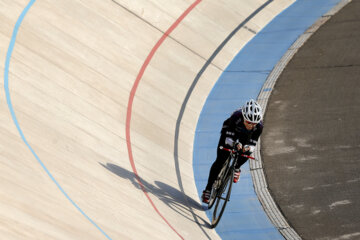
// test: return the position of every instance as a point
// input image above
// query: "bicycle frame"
(223, 184)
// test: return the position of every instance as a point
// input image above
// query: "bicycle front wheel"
(223, 196)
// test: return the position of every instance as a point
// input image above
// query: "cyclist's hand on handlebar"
(238, 146)
(246, 148)
(249, 148)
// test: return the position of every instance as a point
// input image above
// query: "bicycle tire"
(225, 189)
(215, 187)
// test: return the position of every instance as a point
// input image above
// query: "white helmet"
(252, 111)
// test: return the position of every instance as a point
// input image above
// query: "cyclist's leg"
(241, 160)
(239, 163)
(217, 165)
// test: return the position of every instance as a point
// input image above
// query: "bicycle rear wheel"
(223, 196)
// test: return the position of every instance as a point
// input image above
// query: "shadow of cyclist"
(172, 197)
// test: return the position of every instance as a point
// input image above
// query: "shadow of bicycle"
(172, 197)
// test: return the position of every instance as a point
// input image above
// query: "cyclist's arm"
(250, 147)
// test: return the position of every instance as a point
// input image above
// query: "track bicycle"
(221, 189)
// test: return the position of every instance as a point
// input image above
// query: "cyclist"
(241, 130)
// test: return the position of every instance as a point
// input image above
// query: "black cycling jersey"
(234, 127)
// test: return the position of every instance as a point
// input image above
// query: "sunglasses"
(250, 123)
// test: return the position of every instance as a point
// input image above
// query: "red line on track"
(131, 99)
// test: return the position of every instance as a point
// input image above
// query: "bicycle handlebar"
(233, 151)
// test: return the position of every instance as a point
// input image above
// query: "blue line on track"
(8, 99)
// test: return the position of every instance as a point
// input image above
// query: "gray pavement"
(311, 139)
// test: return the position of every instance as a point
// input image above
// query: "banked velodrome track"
(93, 91)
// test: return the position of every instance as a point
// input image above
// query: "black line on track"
(187, 97)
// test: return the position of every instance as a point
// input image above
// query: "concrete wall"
(74, 127)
